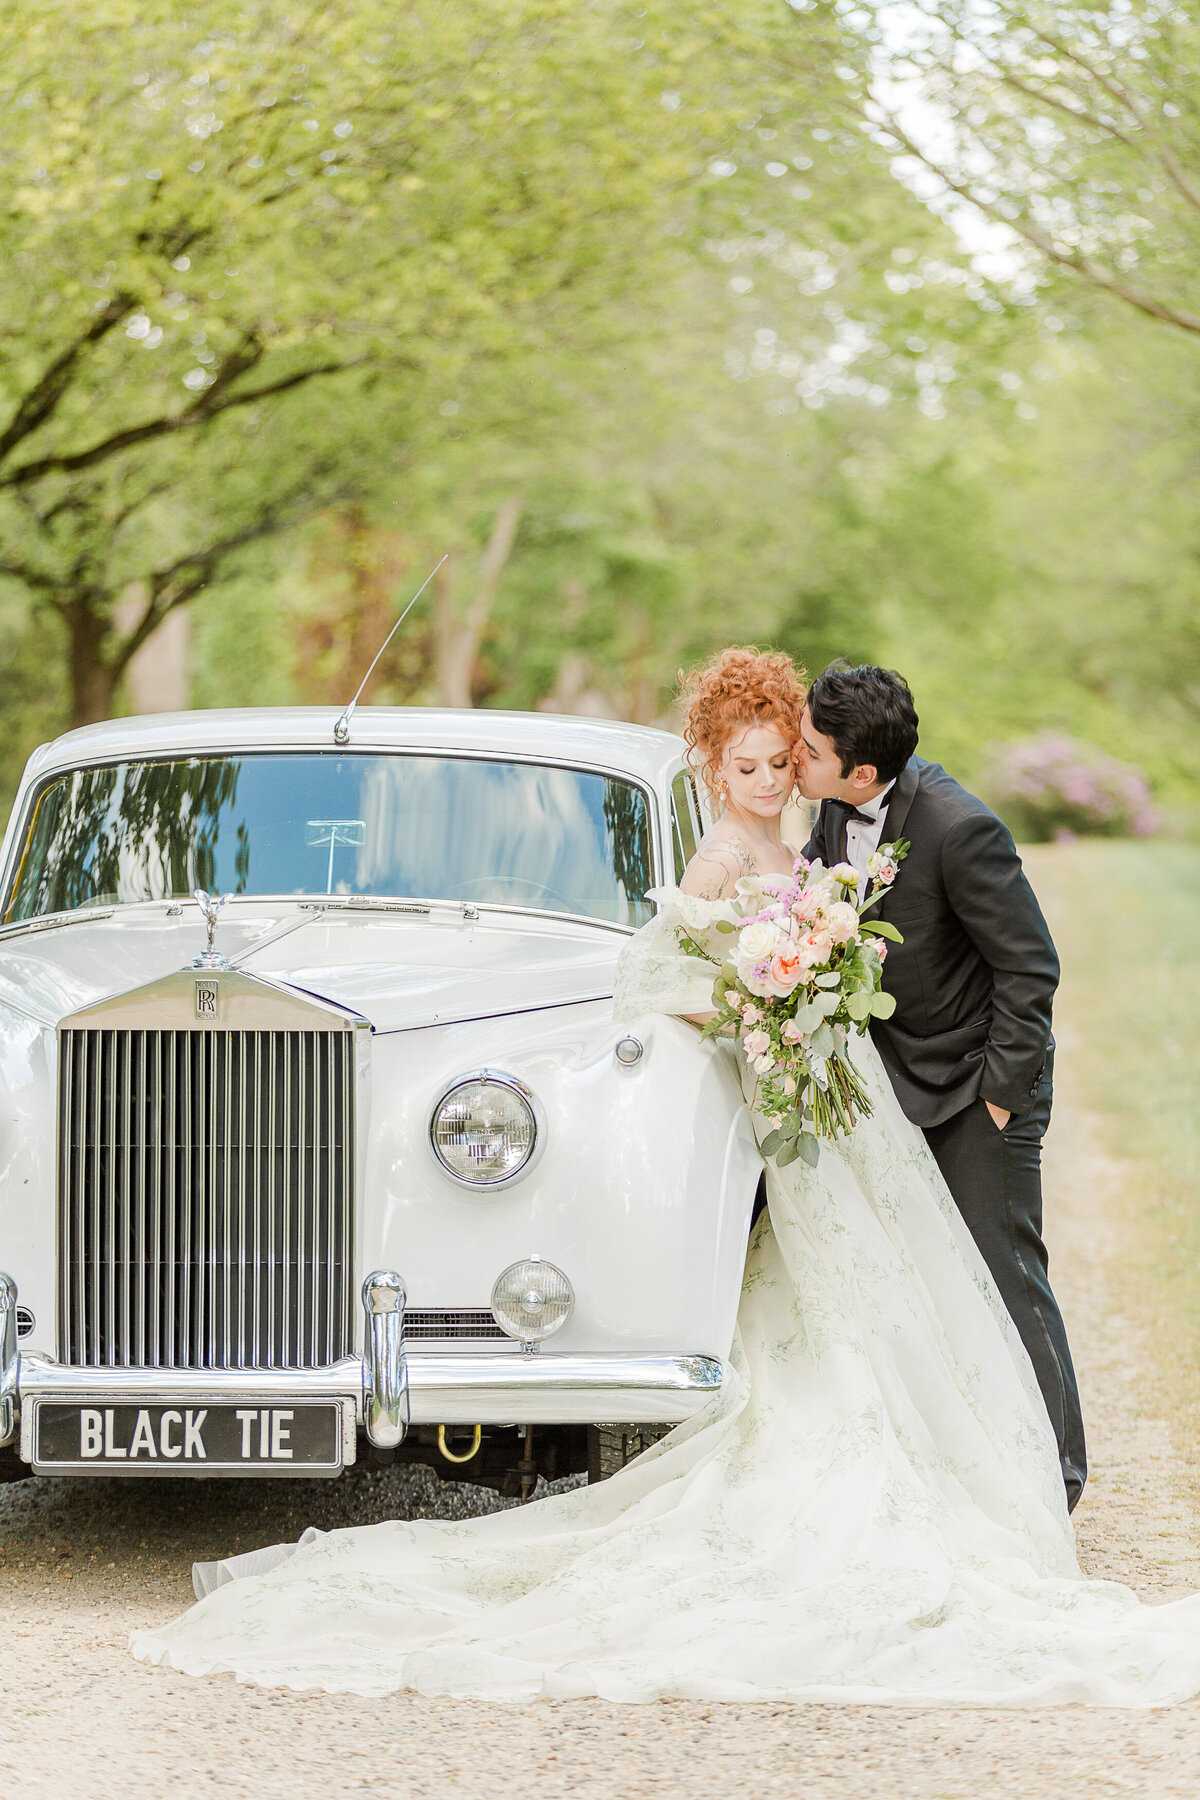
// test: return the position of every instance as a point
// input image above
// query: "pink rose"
(807, 904)
(886, 874)
(819, 941)
(757, 1043)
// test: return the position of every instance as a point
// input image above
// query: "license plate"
(297, 1437)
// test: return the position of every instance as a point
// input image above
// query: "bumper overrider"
(384, 1391)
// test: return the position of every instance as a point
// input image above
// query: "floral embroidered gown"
(871, 1510)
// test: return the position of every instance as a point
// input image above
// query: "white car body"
(641, 1192)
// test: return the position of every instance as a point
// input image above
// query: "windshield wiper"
(373, 903)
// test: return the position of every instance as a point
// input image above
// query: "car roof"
(639, 750)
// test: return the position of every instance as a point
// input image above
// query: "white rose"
(758, 941)
(841, 921)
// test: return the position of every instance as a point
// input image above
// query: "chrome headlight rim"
(490, 1078)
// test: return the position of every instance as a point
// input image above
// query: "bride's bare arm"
(712, 874)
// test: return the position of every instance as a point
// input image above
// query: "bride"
(871, 1510)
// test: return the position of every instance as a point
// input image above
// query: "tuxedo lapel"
(902, 797)
(899, 802)
(835, 822)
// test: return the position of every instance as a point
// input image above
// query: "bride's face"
(758, 771)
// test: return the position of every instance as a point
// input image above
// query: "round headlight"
(532, 1300)
(484, 1129)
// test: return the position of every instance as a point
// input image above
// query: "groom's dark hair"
(869, 714)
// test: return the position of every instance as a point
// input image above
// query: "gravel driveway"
(83, 1562)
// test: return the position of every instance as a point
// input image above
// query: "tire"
(610, 1447)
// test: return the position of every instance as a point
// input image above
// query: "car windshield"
(396, 826)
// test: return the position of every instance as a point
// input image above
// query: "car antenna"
(341, 731)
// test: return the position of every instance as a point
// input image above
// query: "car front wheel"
(610, 1447)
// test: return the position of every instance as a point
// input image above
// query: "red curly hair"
(738, 687)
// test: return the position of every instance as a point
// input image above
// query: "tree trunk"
(89, 639)
(458, 639)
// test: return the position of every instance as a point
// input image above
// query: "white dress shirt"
(862, 841)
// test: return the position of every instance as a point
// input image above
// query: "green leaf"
(789, 1153)
(826, 1003)
(808, 1148)
(729, 974)
(859, 1006)
(881, 928)
(821, 1043)
(882, 1005)
(774, 1141)
(725, 926)
(827, 981)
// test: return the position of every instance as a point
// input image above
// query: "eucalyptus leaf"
(821, 1043)
(808, 1018)
(827, 981)
(808, 1147)
(827, 1003)
(790, 1152)
(725, 926)
(774, 1141)
(859, 1006)
(883, 1005)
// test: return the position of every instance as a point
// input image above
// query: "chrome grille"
(206, 1189)
(464, 1323)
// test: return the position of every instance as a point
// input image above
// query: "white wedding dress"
(871, 1511)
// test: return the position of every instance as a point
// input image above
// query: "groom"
(968, 1048)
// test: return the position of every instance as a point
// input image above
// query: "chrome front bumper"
(390, 1385)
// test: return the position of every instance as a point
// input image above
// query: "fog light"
(532, 1300)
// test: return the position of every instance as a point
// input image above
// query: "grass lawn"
(1126, 918)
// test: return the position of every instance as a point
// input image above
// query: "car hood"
(399, 971)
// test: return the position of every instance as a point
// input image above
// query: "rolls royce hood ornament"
(210, 905)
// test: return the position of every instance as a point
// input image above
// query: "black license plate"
(293, 1437)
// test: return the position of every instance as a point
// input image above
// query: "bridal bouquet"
(800, 968)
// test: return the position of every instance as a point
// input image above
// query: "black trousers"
(996, 1180)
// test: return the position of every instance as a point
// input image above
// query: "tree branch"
(1115, 90)
(43, 397)
(200, 413)
(1095, 274)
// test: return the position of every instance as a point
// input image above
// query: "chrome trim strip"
(10, 1360)
(498, 1387)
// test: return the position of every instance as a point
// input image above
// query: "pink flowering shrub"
(1053, 786)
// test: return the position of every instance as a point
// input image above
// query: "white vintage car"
(357, 1161)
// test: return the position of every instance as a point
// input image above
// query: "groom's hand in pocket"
(1000, 1118)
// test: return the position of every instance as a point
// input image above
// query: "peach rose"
(787, 970)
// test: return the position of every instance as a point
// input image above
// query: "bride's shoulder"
(721, 861)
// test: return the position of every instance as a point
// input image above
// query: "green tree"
(276, 205)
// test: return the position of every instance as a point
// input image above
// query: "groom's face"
(819, 769)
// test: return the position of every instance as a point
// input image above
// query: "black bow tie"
(851, 812)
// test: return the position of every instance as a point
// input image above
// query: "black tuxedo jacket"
(974, 979)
